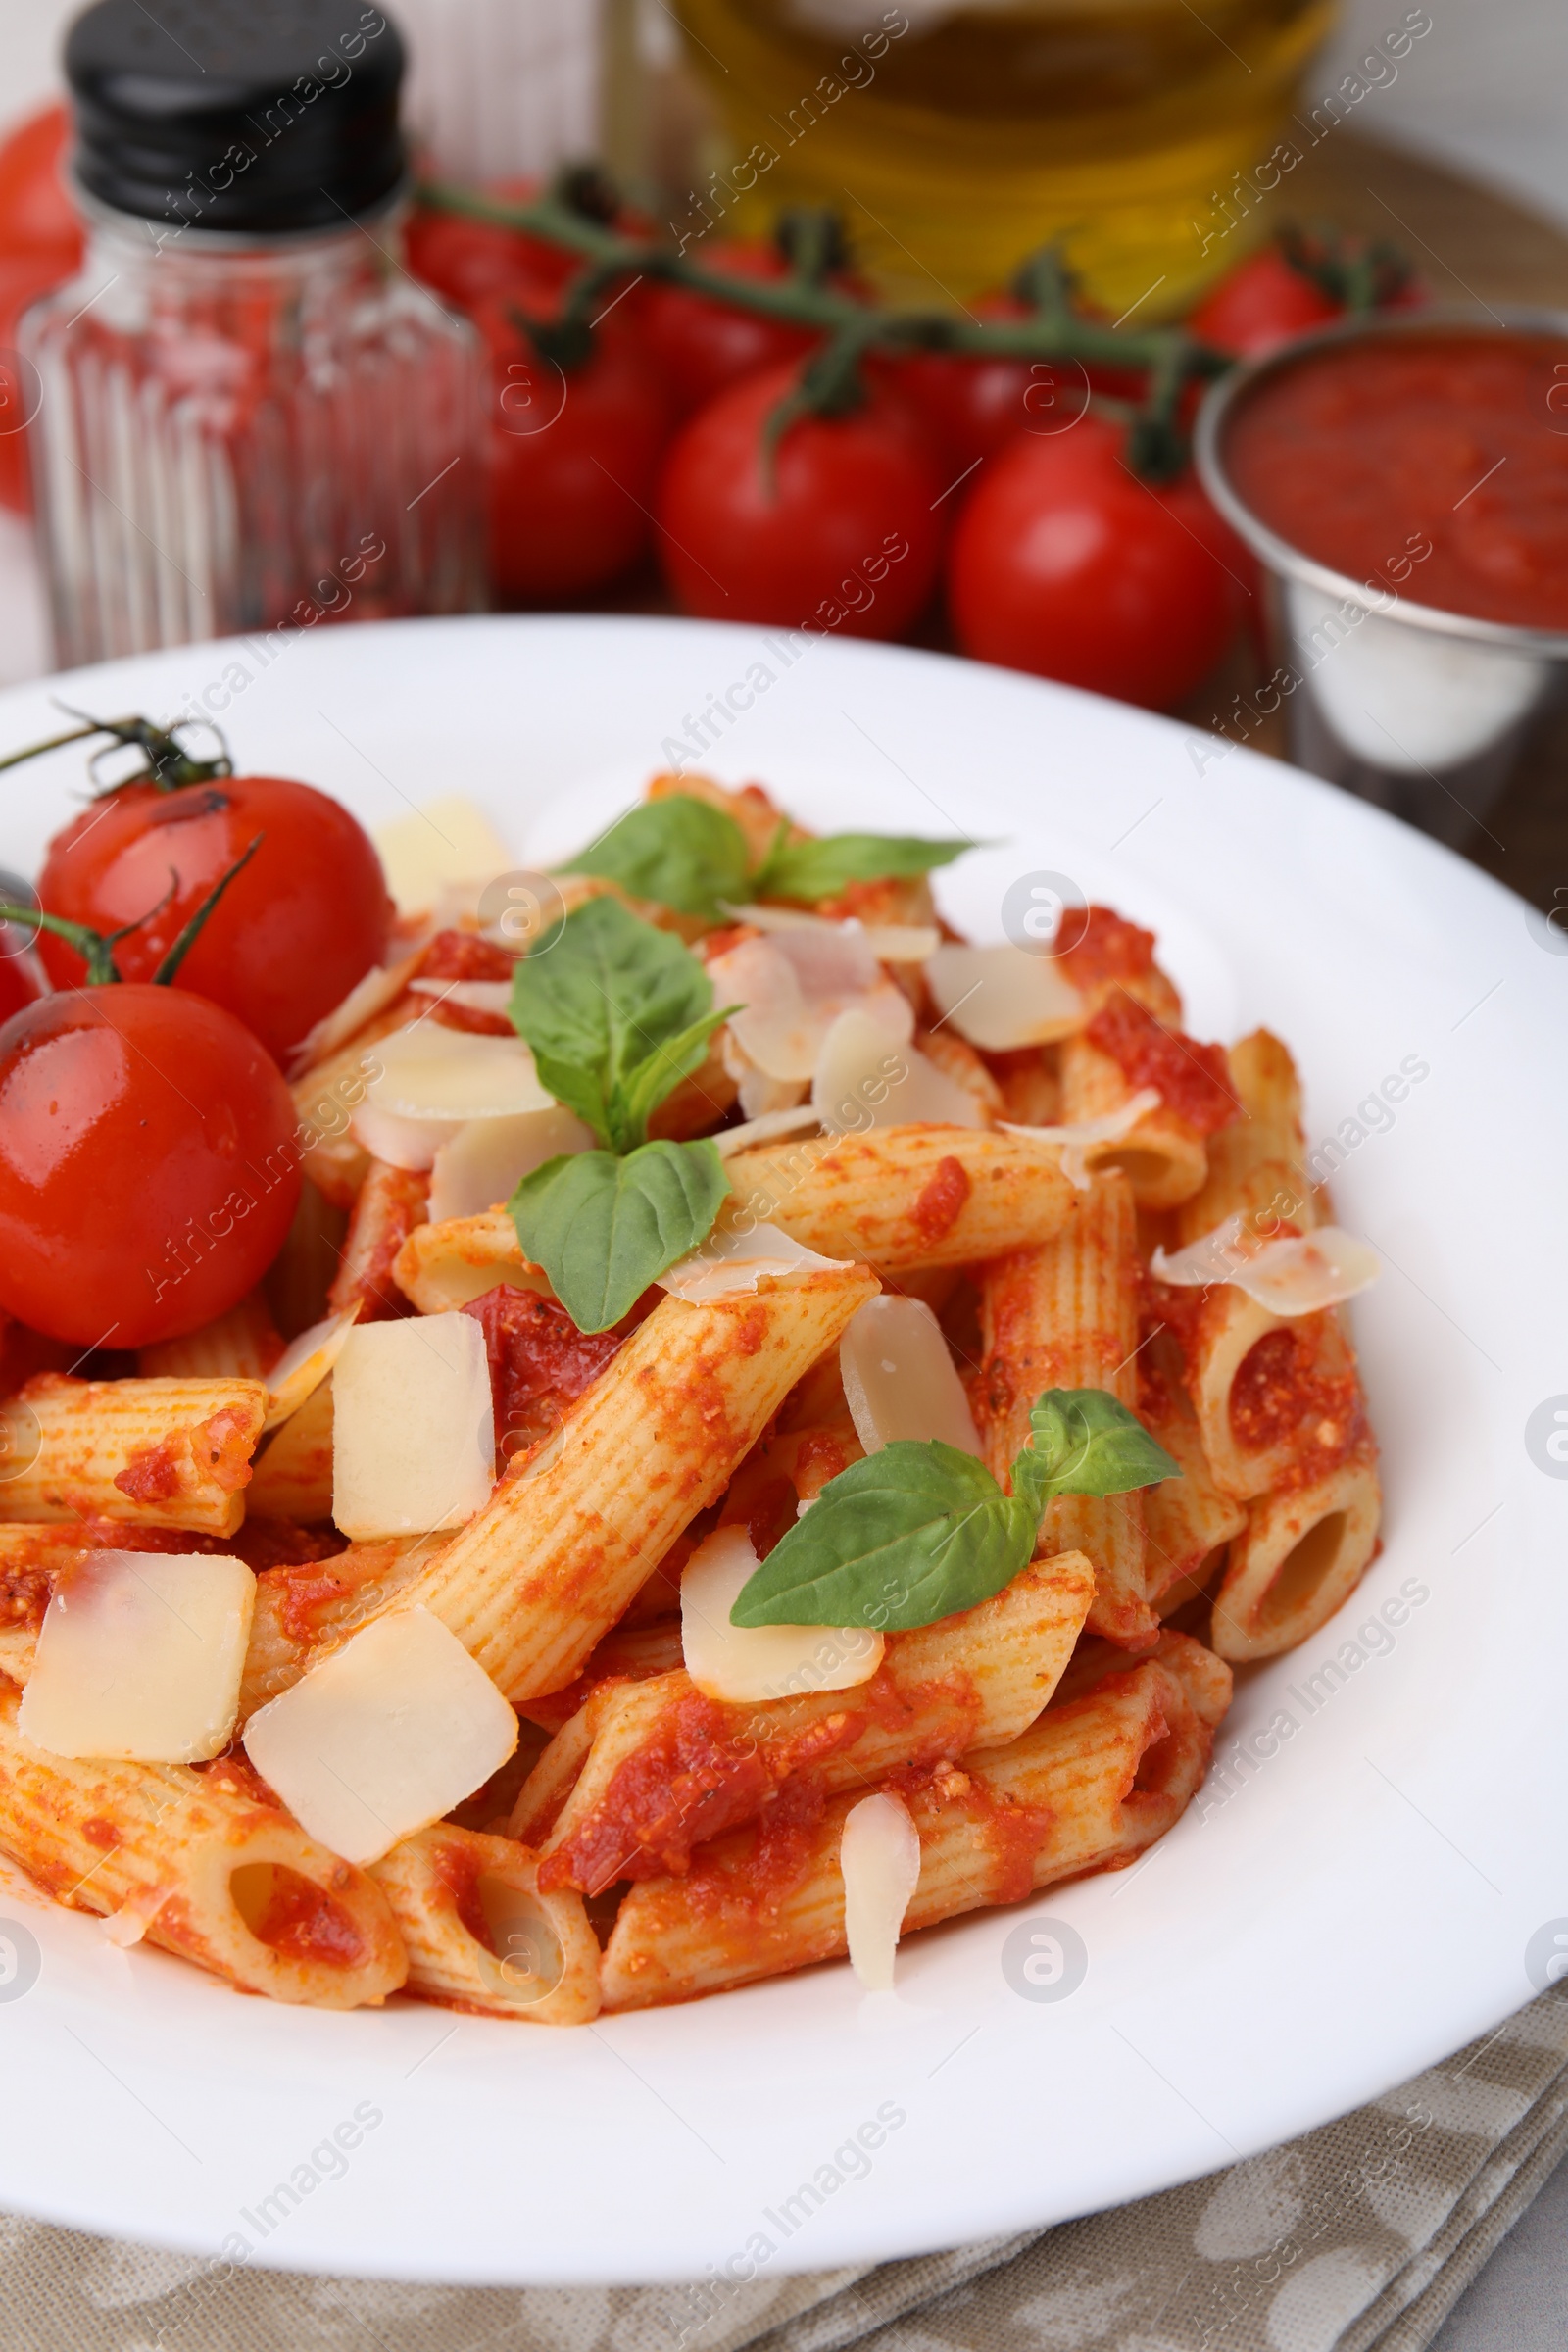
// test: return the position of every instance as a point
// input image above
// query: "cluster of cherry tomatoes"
(990, 482)
(149, 1146)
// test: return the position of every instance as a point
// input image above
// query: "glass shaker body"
(236, 433)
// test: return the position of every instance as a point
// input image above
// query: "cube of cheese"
(413, 1430)
(139, 1658)
(386, 1735)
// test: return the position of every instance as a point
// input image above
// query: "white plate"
(1327, 1920)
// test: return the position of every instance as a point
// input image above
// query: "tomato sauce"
(1104, 946)
(1450, 440)
(540, 1362)
(1192, 1081)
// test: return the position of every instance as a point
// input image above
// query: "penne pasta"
(482, 1937)
(446, 1265)
(304, 1609)
(1187, 1521)
(538, 1578)
(905, 1197)
(660, 1767)
(245, 1342)
(1089, 1787)
(167, 1452)
(1162, 1157)
(200, 1865)
(1065, 1315)
(391, 1202)
(1258, 1164)
(1299, 1557)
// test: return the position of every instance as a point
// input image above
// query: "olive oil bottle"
(956, 135)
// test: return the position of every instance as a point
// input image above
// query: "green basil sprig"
(617, 1013)
(919, 1531)
(693, 856)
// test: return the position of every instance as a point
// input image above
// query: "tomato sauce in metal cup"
(1404, 481)
(1450, 436)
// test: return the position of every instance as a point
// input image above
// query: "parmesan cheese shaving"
(1001, 998)
(365, 1000)
(764, 1129)
(794, 986)
(735, 1663)
(1075, 1139)
(410, 1143)
(412, 1427)
(889, 942)
(430, 1071)
(474, 996)
(127, 1927)
(1295, 1274)
(139, 1657)
(898, 1378)
(384, 1736)
(449, 842)
(879, 1856)
(733, 1259)
(303, 1366)
(865, 1078)
(486, 1159)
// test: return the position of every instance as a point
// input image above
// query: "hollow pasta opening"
(521, 1938)
(1302, 1571)
(1144, 1168)
(293, 1917)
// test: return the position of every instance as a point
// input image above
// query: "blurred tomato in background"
(831, 522)
(41, 244)
(703, 346)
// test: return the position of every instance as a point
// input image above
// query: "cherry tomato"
(840, 532)
(20, 980)
(148, 1164)
(36, 215)
(1065, 564)
(287, 941)
(1263, 304)
(704, 346)
(465, 260)
(574, 453)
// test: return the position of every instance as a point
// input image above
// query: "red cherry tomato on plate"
(841, 532)
(37, 214)
(148, 1172)
(20, 980)
(704, 346)
(1065, 564)
(465, 260)
(1263, 304)
(574, 453)
(305, 920)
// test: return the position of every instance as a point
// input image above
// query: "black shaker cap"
(261, 117)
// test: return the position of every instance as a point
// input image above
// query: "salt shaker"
(246, 415)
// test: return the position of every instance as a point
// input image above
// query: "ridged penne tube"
(1065, 1315)
(1301, 1556)
(1258, 1164)
(1187, 1521)
(663, 1767)
(442, 1266)
(293, 1474)
(201, 1868)
(906, 1195)
(539, 1575)
(1161, 1156)
(1269, 1393)
(245, 1341)
(151, 1452)
(390, 1203)
(480, 1936)
(1089, 1787)
(305, 1609)
(957, 1059)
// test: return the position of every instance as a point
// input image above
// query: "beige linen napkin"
(1358, 2237)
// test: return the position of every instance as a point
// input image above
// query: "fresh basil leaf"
(1086, 1442)
(681, 850)
(912, 1534)
(821, 869)
(604, 1227)
(613, 1012)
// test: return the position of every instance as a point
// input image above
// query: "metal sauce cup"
(1421, 710)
